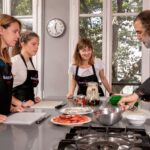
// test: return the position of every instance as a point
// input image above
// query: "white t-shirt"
(83, 72)
(19, 70)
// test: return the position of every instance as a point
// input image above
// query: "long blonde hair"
(5, 22)
(77, 60)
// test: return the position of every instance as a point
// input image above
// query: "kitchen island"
(44, 136)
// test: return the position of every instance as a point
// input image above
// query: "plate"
(76, 110)
(70, 120)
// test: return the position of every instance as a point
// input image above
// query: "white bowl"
(136, 120)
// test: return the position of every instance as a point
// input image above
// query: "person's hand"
(2, 118)
(37, 99)
(28, 103)
(127, 102)
(69, 96)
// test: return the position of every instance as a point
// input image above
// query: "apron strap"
(25, 61)
(77, 68)
(32, 62)
(94, 71)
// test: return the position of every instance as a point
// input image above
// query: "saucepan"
(109, 115)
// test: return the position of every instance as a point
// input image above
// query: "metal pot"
(110, 115)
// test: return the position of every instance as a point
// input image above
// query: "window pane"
(21, 7)
(127, 6)
(91, 27)
(90, 6)
(126, 61)
(26, 24)
(1, 6)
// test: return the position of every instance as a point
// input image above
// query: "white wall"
(55, 51)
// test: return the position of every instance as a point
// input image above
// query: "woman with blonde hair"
(9, 33)
(23, 70)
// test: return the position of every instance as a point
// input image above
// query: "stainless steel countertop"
(44, 136)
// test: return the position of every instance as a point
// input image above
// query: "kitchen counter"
(44, 136)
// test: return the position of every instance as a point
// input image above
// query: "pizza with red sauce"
(71, 119)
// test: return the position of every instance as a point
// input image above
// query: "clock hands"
(55, 27)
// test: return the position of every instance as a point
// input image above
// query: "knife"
(60, 106)
(42, 119)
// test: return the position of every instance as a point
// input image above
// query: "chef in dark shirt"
(9, 33)
(142, 28)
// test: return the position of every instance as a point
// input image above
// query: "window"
(1, 4)
(22, 9)
(91, 23)
(126, 49)
(109, 25)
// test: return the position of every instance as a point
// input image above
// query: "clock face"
(56, 27)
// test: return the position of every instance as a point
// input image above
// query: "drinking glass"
(70, 102)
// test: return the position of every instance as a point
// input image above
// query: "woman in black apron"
(82, 82)
(83, 70)
(9, 33)
(24, 92)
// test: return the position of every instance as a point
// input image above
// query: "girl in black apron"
(84, 59)
(24, 92)
(7, 39)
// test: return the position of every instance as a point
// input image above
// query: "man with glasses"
(142, 28)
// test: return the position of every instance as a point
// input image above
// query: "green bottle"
(115, 99)
(136, 104)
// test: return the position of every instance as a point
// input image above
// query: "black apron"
(83, 81)
(6, 83)
(25, 91)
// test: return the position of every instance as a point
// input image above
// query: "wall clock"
(56, 27)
